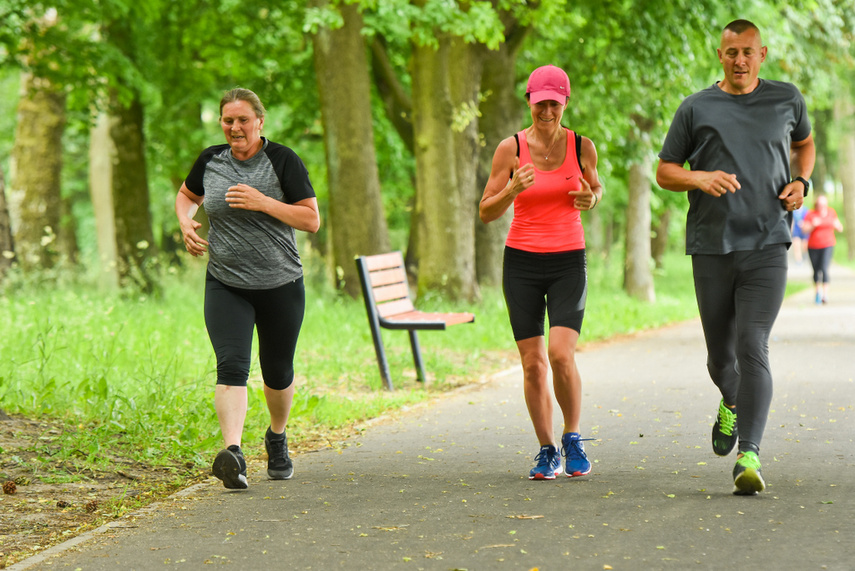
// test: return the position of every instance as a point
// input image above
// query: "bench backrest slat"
(388, 277)
(384, 261)
(391, 292)
(394, 307)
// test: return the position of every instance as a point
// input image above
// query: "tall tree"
(465, 71)
(356, 219)
(445, 46)
(37, 155)
(36, 168)
(127, 176)
(637, 276)
(129, 187)
(102, 151)
(441, 227)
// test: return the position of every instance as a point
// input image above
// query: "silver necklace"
(546, 157)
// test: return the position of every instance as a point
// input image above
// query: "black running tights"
(739, 296)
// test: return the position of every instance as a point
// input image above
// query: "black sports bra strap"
(517, 139)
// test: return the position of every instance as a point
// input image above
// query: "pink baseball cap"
(548, 82)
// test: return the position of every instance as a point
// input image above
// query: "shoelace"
(749, 460)
(726, 419)
(544, 457)
(574, 449)
(278, 448)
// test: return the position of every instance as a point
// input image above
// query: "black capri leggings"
(820, 259)
(277, 314)
(534, 283)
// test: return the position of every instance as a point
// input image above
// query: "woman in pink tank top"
(549, 174)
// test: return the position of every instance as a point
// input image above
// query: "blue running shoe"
(548, 464)
(573, 449)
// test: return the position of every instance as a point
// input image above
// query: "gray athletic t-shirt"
(747, 135)
(248, 249)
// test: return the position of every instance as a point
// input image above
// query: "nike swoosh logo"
(570, 177)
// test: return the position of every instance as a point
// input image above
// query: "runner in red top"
(549, 174)
(819, 224)
(545, 217)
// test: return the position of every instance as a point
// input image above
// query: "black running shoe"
(230, 467)
(279, 465)
(724, 434)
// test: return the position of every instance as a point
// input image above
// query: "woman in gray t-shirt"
(256, 193)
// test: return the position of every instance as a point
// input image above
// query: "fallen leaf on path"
(524, 516)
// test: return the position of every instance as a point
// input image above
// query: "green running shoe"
(724, 434)
(747, 479)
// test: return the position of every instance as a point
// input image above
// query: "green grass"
(137, 374)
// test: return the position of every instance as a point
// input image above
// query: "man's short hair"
(739, 26)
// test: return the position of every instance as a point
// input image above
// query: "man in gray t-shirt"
(740, 138)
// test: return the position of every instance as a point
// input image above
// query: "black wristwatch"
(804, 182)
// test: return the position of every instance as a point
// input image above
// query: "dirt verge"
(36, 514)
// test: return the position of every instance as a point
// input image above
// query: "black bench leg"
(417, 356)
(382, 362)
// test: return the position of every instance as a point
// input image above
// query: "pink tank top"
(545, 219)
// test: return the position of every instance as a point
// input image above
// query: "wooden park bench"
(387, 302)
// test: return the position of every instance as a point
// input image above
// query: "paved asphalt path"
(444, 485)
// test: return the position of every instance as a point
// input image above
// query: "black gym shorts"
(535, 282)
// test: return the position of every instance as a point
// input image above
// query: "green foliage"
(626, 59)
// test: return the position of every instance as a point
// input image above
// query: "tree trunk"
(357, 224)
(659, 239)
(128, 177)
(134, 239)
(441, 225)
(7, 245)
(36, 166)
(823, 132)
(102, 154)
(845, 112)
(501, 116)
(638, 278)
(396, 101)
(465, 69)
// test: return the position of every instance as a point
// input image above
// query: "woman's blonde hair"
(241, 94)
